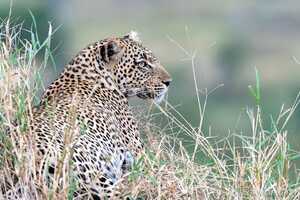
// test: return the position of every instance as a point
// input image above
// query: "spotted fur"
(85, 114)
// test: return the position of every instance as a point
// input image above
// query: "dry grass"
(257, 166)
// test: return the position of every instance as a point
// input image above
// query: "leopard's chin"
(158, 98)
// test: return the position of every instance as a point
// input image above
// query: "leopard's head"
(137, 71)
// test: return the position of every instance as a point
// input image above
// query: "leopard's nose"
(167, 82)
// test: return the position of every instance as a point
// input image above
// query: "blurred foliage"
(231, 56)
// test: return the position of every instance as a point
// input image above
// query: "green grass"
(257, 164)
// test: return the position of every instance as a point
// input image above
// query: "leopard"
(85, 113)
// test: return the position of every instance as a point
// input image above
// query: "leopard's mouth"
(157, 95)
(145, 95)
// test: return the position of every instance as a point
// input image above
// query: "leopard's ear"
(133, 35)
(111, 51)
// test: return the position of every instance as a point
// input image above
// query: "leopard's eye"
(142, 64)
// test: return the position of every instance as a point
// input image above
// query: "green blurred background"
(230, 37)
